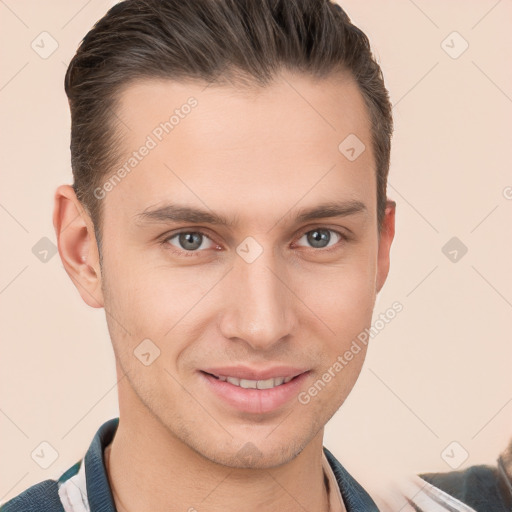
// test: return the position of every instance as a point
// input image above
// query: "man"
(229, 213)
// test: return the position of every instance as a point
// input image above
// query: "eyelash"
(167, 246)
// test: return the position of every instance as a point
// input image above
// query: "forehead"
(236, 115)
(223, 146)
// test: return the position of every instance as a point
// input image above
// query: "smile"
(253, 396)
(254, 384)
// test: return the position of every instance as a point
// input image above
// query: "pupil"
(190, 241)
(317, 237)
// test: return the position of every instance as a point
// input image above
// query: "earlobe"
(77, 245)
(386, 238)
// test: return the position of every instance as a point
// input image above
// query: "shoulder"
(41, 496)
(71, 486)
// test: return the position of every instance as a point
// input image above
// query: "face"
(273, 289)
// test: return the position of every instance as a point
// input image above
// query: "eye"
(192, 243)
(320, 238)
(188, 241)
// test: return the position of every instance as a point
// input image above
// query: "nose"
(260, 304)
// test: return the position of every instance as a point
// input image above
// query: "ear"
(386, 237)
(77, 245)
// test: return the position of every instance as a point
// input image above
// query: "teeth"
(233, 380)
(256, 384)
(270, 383)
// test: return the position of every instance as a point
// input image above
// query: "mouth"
(254, 384)
(250, 395)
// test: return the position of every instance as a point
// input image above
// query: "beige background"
(440, 372)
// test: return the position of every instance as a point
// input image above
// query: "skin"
(258, 157)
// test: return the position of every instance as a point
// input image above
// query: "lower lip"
(256, 401)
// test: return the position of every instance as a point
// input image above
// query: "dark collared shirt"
(85, 487)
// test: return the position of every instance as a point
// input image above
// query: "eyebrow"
(182, 213)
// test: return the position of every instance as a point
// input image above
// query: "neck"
(147, 474)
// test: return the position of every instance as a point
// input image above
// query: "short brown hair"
(209, 40)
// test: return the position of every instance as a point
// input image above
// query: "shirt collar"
(98, 487)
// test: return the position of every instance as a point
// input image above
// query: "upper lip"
(244, 372)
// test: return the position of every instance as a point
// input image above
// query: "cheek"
(342, 295)
(134, 304)
(148, 300)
